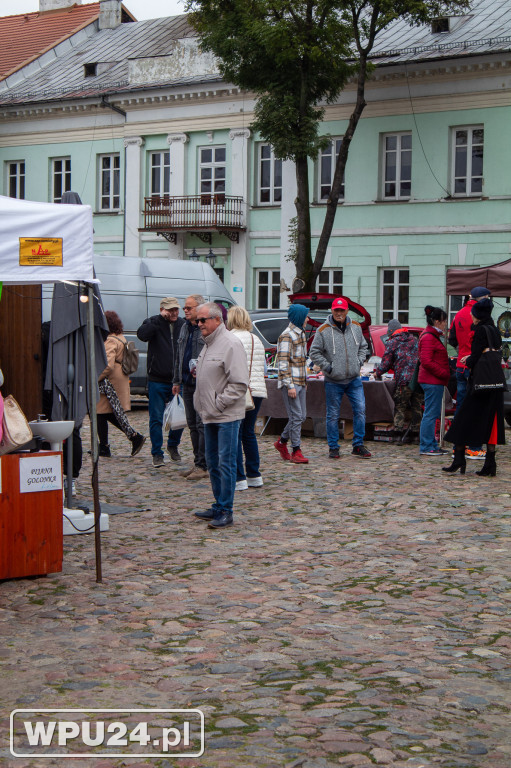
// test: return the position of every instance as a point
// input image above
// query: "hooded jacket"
(338, 354)
(401, 354)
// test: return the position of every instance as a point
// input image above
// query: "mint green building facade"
(427, 184)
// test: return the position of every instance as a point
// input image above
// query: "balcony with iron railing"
(200, 215)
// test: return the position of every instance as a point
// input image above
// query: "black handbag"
(487, 374)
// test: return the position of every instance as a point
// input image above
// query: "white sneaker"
(255, 482)
(242, 485)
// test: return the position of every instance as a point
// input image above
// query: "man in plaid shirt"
(291, 362)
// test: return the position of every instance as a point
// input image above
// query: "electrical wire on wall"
(447, 193)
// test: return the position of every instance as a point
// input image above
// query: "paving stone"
(353, 615)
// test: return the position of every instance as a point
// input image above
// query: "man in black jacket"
(189, 346)
(161, 332)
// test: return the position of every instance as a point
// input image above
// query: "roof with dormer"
(113, 54)
(26, 36)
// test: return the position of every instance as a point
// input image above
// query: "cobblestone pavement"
(356, 614)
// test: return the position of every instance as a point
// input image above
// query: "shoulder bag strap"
(488, 335)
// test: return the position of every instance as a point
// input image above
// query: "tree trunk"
(304, 269)
(333, 198)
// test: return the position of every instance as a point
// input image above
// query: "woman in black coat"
(480, 418)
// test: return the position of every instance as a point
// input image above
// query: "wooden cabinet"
(30, 524)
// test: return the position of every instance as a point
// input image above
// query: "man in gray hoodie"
(339, 349)
(222, 381)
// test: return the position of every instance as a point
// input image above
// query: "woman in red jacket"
(433, 376)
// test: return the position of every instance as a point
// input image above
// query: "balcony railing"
(193, 212)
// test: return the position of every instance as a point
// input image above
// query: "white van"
(134, 287)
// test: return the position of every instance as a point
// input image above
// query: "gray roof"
(486, 28)
(64, 76)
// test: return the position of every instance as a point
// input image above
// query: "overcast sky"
(141, 9)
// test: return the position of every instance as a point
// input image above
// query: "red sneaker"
(282, 449)
(298, 457)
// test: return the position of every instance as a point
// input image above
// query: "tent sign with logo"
(44, 242)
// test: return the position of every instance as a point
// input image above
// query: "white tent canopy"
(44, 242)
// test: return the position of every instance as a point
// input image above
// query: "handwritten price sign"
(40, 473)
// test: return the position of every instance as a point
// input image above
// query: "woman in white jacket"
(239, 322)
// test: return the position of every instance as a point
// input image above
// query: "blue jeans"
(462, 377)
(221, 443)
(159, 396)
(247, 444)
(433, 394)
(334, 392)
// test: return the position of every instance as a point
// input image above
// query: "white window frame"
(109, 200)
(331, 284)
(272, 282)
(274, 189)
(388, 313)
(64, 174)
(327, 162)
(455, 303)
(471, 181)
(15, 177)
(399, 151)
(159, 173)
(217, 181)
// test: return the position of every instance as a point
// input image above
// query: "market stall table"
(378, 397)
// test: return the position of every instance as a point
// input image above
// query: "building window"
(212, 170)
(329, 281)
(455, 304)
(16, 179)
(468, 161)
(270, 176)
(395, 295)
(440, 25)
(327, 162)
(160, 173)
(109, 182)
(61, 177)
(268, 289)
(397, 166)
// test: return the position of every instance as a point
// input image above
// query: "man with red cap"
(339, 349)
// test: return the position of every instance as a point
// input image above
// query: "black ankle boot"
(104, 450)
(459, 462)
(490, 465)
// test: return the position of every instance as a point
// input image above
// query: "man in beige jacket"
(222, 381)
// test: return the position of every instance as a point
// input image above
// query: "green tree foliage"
(296, 56)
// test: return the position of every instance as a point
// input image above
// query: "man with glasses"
(222, 381)
(161, 332)
(339, 349)
(189, 346)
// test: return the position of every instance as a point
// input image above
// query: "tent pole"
(94, 430)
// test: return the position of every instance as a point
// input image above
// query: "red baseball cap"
(340, 303)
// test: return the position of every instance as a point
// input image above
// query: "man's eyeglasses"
(203, 319)
(190, 308)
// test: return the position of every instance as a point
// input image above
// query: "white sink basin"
(52, 431)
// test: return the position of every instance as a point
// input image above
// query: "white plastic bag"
(174, 416)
